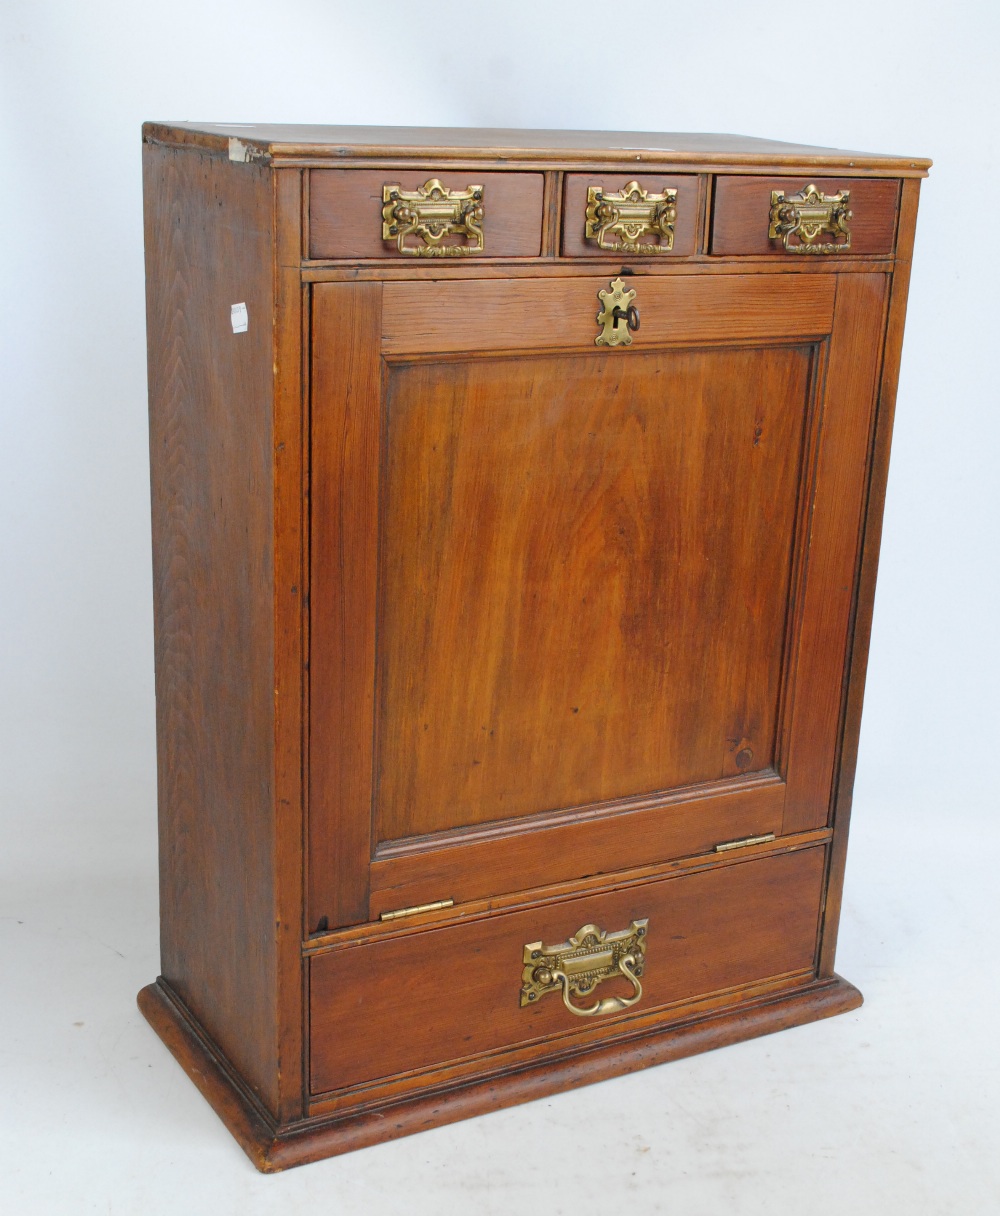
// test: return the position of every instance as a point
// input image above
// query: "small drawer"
(438, 214)
(443, 995)
(628, 217)
(797, 215)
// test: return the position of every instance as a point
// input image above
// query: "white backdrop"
(77, 797)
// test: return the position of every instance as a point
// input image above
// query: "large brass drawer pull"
(799, 220)
(576, 967)
(429, 214)
(617, 222)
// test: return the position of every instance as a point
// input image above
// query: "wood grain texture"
(186, 1038)
(346, 441)
(511, 1060)
(556, 313)
(743, 205)
(590, 884)
(209, 245)
(864, 605)
(535, 852)
(569, 268)
(552, 213)
(586, 564)
(574, 242)
(841, 477)
(504, 145)
(345, 211)
(272, 1148)
(291, 440)
(757, 1009)
(695, 947)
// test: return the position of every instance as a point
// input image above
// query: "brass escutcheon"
(576, 967)
(799, 220)
(618, 317)
(618, 222)
(431, 213)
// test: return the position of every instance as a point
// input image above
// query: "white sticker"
(240, 318)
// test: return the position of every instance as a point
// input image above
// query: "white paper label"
(240, 318)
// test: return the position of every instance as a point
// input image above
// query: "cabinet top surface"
(290, 142)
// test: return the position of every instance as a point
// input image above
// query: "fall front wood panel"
(475, 639)
(570, 546)
(584, 601)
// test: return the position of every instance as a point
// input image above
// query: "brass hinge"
(441, 903)
(744, 843)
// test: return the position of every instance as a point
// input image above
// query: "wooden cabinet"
(513, 576)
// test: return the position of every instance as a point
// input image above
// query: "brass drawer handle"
(608, 1004)
(429, 214)
(617, 222)
(576, 967)
(799, 220)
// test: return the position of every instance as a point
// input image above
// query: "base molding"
(272, 1147)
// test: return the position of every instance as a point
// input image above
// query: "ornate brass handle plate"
(576, 968)
(431, 213)
(799, 220)
(618, 222)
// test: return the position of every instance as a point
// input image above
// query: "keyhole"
(630, 316)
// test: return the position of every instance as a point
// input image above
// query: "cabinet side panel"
(874, 509)
(208, 246)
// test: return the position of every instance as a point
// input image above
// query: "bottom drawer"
(418, 999)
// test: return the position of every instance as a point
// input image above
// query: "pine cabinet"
(516, 509)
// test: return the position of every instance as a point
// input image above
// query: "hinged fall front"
(513, 568)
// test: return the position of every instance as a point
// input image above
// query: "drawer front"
(742, 216)
(442, 995)
(351, 217)
(617, 216)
